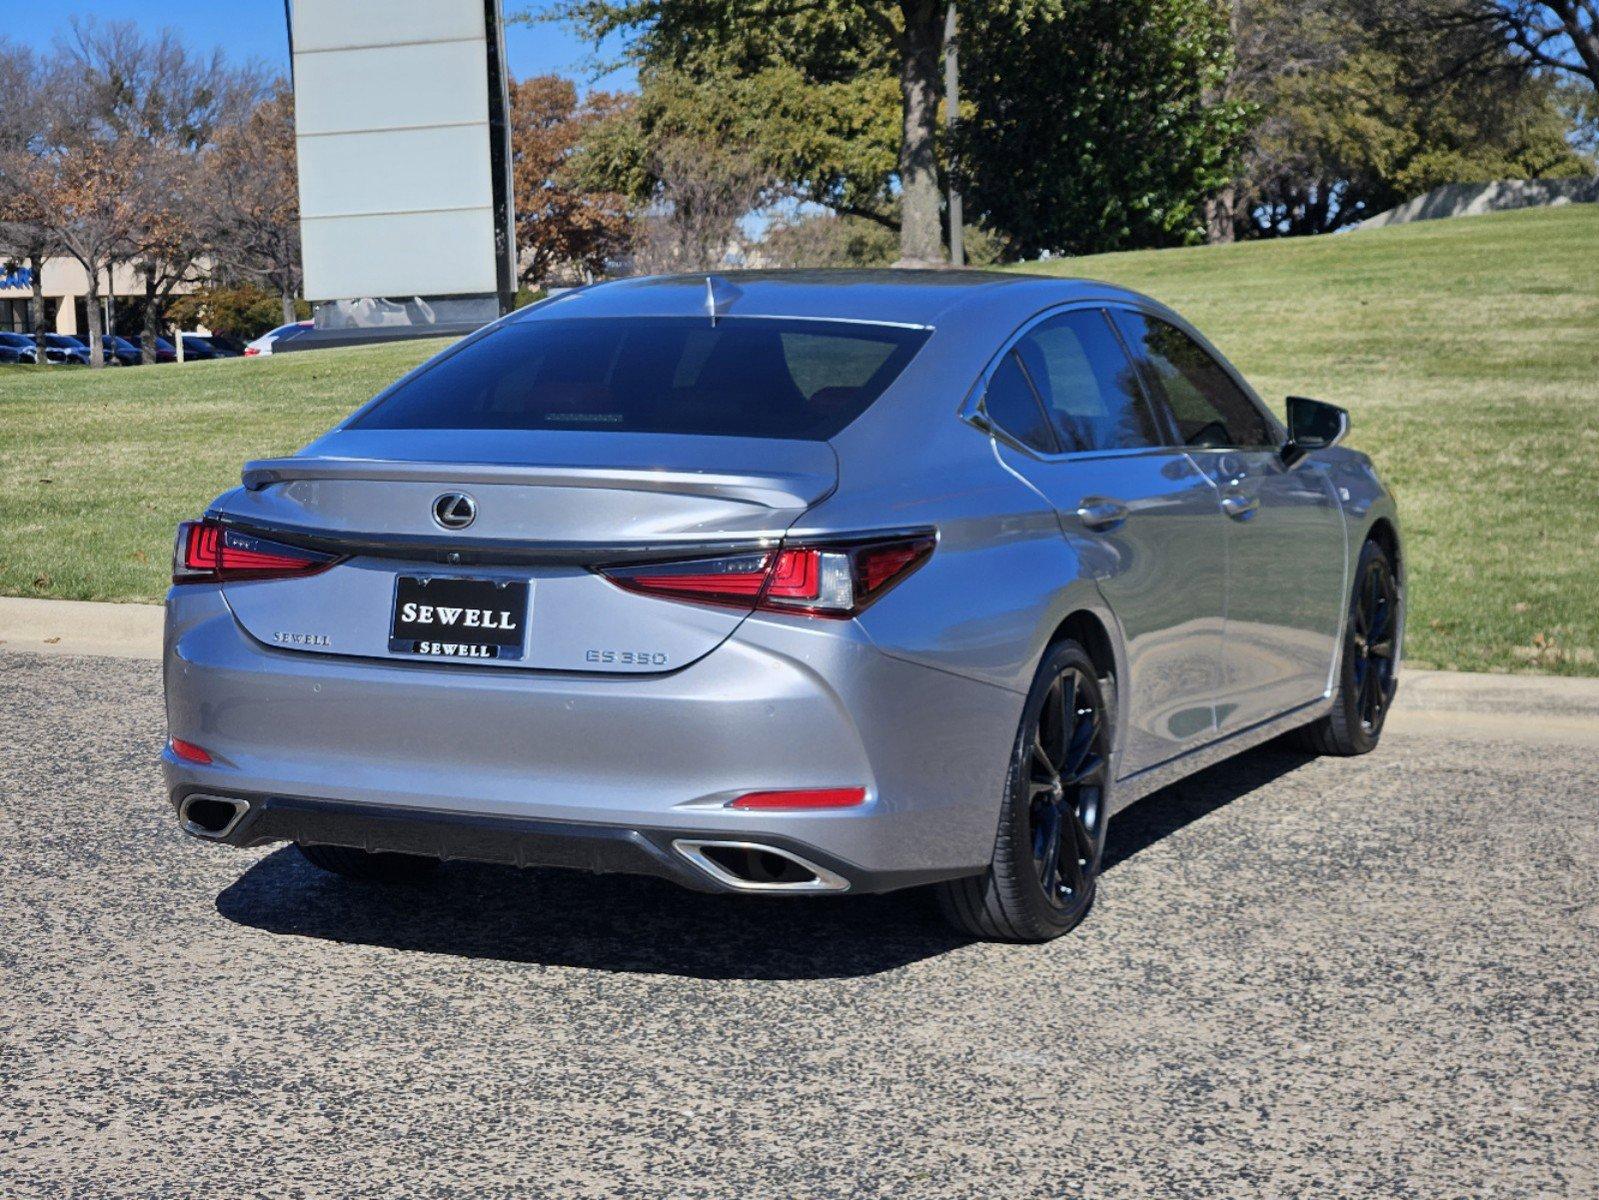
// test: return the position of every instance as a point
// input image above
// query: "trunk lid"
(548, 506)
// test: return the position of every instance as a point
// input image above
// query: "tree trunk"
(1219, 225)
(36, 307)
(952, 104)
(91, 305)
(288, 309)
(152, 320)
(920, 240)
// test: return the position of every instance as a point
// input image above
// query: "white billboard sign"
(393, 132)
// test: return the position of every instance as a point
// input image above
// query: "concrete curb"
(80, 627)
(1552, 708)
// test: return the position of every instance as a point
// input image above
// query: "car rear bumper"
(610, 773)
(674, 854)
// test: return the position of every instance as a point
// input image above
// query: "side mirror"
(1312, 425)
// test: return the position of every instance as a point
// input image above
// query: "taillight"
(209, 551)
(251, 351)
(836, 579)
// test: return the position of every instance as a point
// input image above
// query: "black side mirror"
(1312, 425)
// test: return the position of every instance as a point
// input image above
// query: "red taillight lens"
(207, 550)
(736, 580)
(821, 580)
(806, 798)
(189, 751)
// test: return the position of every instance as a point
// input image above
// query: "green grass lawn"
(1467, 350)
(97, 467)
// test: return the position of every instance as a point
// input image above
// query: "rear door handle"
(1096, 513)
(1239, 507)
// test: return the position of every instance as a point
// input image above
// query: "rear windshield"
(742, 377)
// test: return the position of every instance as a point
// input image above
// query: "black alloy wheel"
(1066, 789)
(1373, 625)
(1368, 674)
(1051, 837)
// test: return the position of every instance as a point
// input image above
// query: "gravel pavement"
(1360, 978)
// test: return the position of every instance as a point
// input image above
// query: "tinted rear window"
(742, 377)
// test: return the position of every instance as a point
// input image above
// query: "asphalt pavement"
(1335, 978)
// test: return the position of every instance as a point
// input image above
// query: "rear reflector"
(189, 751)
(810, 798)
(820, 580)
(209, 551)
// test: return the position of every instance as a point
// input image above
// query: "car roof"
(908, 297)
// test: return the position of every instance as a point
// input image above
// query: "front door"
(1285, 565)
(1286, 552)
(1087, 439)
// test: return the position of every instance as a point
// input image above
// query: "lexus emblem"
(454, 510)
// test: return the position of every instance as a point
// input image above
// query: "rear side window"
(742, 377)
(1210, 409)
(1011, 403)
(1089, 386)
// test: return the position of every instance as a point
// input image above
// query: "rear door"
(1081, 431)
(1285, 530)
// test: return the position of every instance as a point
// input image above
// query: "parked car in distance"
(17, 348)
(265, 343)
(64, 348)
(781, 583)
(119, 351)
(201, 348)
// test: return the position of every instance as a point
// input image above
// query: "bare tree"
(252, 200)
(1560, 35)
(25, 238)
(704, 192)
(79, 179)
(1557, 36)
(173, 102)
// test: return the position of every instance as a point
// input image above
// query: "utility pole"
(952, 99)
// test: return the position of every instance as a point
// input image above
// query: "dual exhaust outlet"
(741, 866)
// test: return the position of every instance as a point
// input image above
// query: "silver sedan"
(787, 582)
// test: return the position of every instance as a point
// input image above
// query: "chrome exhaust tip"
(757, 867)
(212, 817)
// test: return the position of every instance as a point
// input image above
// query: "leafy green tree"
(830, 143)
(1096, 126)
(1365, 103)
(815, 79)
(1114, 106)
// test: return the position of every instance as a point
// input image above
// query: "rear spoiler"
(767, 489)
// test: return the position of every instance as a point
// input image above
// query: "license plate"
(443, 617)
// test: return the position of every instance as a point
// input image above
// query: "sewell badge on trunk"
(442, 617)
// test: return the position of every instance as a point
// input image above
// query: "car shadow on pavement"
(651, 927)
(1163, 813)
(602, 922)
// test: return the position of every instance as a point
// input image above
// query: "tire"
(1056, 802)
(1368, 672)
(369, 867)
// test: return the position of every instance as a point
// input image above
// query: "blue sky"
(255, 29)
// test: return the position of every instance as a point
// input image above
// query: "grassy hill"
(1468, 351)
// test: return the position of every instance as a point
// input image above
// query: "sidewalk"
(1553, 709)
